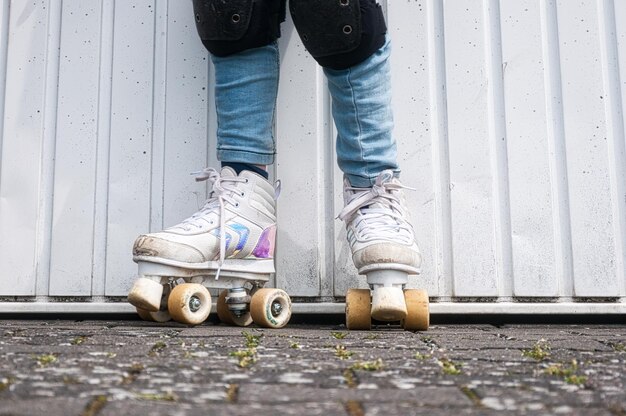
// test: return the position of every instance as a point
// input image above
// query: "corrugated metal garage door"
(509, 119)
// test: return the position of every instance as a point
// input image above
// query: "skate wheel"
(189, 303)
(270, 308)
(227, 316)
(146, 294)
(159, 316)
(418, 316)
(358, 309)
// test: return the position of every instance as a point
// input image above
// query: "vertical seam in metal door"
(101, 197)
(46, 175)
(4, 50)
(326, 185)
(440, 148)
(499, 162)
(556, 144)
(616, 141)
(159, 117)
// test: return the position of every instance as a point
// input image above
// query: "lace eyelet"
(243, 194)
(236, 204)
(247, 180)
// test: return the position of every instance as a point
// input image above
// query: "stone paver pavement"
(66, 367)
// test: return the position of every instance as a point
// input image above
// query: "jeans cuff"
(241, 156)
(363, 182)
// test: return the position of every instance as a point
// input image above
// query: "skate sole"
(389, 266)
(258, 269)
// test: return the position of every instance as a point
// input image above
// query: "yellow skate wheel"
(418, 315)
(159, 316)
(358, 309)
(227, 316)
(189, 303)
(270, 308)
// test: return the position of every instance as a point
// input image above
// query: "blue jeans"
(245, 96)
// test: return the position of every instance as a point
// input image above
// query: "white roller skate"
(228, 244)
(383, 248)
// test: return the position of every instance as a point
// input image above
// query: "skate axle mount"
(387, 300)
(387, 278)
(238, 301)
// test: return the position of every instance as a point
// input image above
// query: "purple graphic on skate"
(265, 247)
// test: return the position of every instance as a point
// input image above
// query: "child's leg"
(229, 242)
(378, 223)
(379, 231)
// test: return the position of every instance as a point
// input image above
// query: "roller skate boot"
(383, 247)
(228, 244)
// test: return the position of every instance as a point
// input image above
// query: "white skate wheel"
(270, 308)
(418, 316)
(189, 303)
(227, 316)
(159, 316)
(388, 304)
(146, 294)
(358, 309)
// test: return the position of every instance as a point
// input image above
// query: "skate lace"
(377, 212)
(223, 191)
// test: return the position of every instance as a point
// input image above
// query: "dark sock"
(239, 167)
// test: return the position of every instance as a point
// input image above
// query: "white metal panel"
(471, 173)
(130, 157)
(22, 222)
(509, 122)
(75, 152)
(593, 239)
(532, 229)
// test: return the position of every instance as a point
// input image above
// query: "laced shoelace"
(223, 191)
(377, 211)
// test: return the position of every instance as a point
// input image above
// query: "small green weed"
(339, 335)
(160, 397)
(342, 352)
(246, 357)
(252, 341)
(567, 372)
(449, 367)
(78, 340)
(375, 365)
(157, 348)
(540, 351)
(46, 359)
(420, 356)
